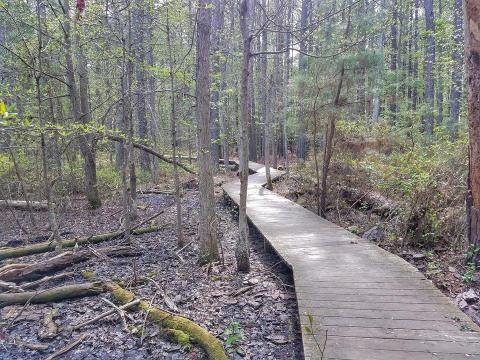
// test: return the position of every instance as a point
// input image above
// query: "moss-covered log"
(51, 295)
(207, 341)
(15, 252)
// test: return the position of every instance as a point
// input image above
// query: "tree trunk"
(216, 42)
(242, 252)
(472, 65)
(302, 66)
(429, 64)
(141, 104)
(173, 129)
(457, 71)
(87, 143)
(393, 62)
(208, 223)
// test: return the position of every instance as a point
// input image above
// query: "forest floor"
(441, 263)
(266, 312)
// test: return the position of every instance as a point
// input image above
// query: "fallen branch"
(60, 262)
(31, 346)
(24, 205)
(51, 295)
(34, 284)
(177, 324)
(151, 152)
(67, 348)
(15, 252)
(375, 202)
(105, 314)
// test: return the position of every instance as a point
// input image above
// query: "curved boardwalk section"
(365, 303)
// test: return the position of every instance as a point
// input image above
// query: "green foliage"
(469, 273)
(234, 336)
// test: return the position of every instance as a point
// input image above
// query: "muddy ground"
(266, 313)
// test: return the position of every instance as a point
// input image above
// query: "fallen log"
(178, 325)
(15, 252)
(51, 295)
(151, 152)
(24, 205)
(373, 201)
(39, 270)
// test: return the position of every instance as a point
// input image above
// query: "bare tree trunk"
(472, 65)
(265, 89)
(208, 223)
(173, 126)
(429, 64)
(242, 252)
(217, 43)
(141, 104)
(40, 9)
(394, 60)
(87, 143)
(302, 66)
(415, 61)
(456, 90)
(80, 108)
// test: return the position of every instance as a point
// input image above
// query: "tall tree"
(302, 66)
(472, 65)
(429, 64)
(394, 61)
(457, 70)
(207, 227)
(242, 252)
(141, 77)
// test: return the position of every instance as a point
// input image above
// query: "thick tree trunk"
(429, 64)
(457, 71)
(472, 65)
(208, 223)
(87, 143)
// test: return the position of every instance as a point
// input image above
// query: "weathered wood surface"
(372, 304)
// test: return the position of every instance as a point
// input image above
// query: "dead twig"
(106, 313)
(28, 345)
(67, 348)
(177, 253)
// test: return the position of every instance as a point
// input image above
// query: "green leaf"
(3, 109)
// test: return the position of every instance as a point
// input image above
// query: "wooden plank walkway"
(368, 303)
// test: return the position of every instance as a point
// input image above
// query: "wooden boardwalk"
(366, 302)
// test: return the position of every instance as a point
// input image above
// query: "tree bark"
(208, 223)
(472, 65)
(457, 71)
(302, 66)
(429, 64)
(140, 73)
(242, 251)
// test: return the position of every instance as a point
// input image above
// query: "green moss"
(88, 275)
